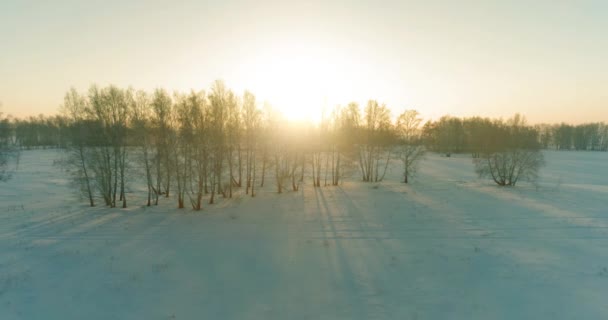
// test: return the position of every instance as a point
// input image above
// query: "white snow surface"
(447, 246)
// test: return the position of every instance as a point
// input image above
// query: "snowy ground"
(448, 246)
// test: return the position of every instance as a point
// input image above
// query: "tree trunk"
(264, 160)
(337, 176)
(388, 158)
(230, 164)
(86, 176)
(253, 176)
(239, 184)
(326, 168)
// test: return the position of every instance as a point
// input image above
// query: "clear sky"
(545, 59)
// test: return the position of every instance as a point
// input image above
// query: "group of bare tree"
(201, 145)
(98, 125)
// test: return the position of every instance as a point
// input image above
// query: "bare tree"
(446, 135)
(251, 126)
(286, 154)
(375, 151)
(603, 143)
(346, 128)
(197, 179)
(182, 145)
(316, 154)
(79, 150)
(410, 148)
(8, 152)
(233, 143)
(108, 107)
(269, 127)
(142, 127)
(190, 153)
(219, 97)
(282, 166)
(287, 160)
(514, 156)
(161, 128)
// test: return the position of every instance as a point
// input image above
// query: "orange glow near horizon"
(490, 59)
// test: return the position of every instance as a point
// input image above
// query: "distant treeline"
(198, 145)
(34, 131)
(448, 134)
(458, 135)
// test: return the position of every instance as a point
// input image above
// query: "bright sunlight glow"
(298, 80)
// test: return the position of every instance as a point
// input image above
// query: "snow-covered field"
(448, 246)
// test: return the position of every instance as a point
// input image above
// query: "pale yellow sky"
(545, 59)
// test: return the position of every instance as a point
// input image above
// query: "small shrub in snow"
(506, 168)
(513, 155)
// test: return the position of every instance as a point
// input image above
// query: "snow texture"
(447, 246)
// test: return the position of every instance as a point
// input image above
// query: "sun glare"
(298, 80)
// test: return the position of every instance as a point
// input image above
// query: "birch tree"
(410, 149)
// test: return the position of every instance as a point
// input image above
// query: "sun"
(298, 80)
